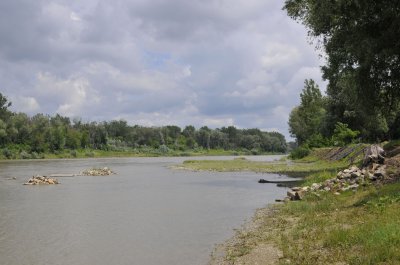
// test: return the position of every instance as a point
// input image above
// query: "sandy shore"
(246, 247)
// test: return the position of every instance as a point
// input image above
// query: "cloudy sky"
(159, 62)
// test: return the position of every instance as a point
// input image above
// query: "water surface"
(146, 214)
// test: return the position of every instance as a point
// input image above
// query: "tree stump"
(373, 154)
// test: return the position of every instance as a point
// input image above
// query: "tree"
(360, 40)
(4, 105)
(343, 135)
(307, 119)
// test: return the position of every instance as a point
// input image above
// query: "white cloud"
(69, 96)
(221, 62)
(279, 55)
(25, 104)
(74, 16)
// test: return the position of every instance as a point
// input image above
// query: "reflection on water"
(147, 214)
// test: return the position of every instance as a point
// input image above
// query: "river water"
(146, 214)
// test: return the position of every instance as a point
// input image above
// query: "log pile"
(41, 180)
(105, 171)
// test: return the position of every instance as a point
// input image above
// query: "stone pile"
(348, 179)
(40, 180)
(98, 172)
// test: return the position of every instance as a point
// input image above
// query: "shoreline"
(241, 247)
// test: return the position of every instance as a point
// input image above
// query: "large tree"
(361, 42)
(306, 120)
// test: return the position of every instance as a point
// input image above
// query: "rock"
(262, 181)
(296, 188)
(356, 174)
(315, 186)
(300, 194)
(306, 188)
(293, 195)
(346, 175)
(354, 169)
(380, 172)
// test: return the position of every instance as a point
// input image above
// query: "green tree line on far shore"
(22, 136)
(359, 42)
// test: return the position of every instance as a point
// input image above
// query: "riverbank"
(324, 228)
(149, 152)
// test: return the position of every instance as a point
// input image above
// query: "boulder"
(293, 195)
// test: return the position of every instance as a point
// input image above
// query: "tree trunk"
(373, 154)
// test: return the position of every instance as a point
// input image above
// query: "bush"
(317, 140)
(25, 155)
(7, 153)
(163, 149)
(73, 153)
(299, 152)
(89, 154)
(35, 155)
(255, 151)
(343, 135)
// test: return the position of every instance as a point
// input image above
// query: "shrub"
(163, 149)
(25, 155)
(73, 153)
(343, 135)
(300, 152)
(35, 155)
(7, 153)
(317, 140)
(89, 154)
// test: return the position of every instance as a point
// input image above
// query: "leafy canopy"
(361, 42)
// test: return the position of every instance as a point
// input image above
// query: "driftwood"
(277, 181)
(373, 154)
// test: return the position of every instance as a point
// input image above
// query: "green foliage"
(343, 135)
(317, 140)
(25, 155)
(360, 42)
(7, 153)
(306, 120)
(55, 134)
(4, 105)
(300, 152)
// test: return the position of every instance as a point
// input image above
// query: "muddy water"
(146, 214)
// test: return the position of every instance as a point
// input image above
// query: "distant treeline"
(43, 133)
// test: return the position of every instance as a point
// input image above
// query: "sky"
(208, 63)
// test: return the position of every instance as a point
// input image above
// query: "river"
(146, 214)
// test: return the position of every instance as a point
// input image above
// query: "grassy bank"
(361, 227)
(352, 228)
(298, 168)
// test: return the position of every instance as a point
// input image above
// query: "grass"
(356, 228)
(285, 167)
(352, 228)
